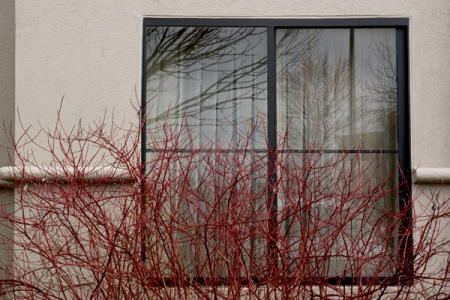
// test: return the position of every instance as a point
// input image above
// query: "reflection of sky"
(368, 44)
(370, 115)
(217, 90)
(333, 44)
(222, 93)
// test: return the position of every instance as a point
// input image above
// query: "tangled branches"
(215, 222)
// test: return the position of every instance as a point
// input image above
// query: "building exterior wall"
(7, 94)
(90, 53)
(7, 47)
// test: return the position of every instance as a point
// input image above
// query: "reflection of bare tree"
(383, 84)
(339, 94)
(295, 45)
(379, 91)
(186, 46)
(316, 94)
(344, 99)
(236, 56)
(183, 52)
(313, 92)
(332, 101)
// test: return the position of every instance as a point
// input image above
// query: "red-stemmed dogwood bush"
(213, 222)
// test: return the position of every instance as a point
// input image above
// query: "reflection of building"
(91, 53)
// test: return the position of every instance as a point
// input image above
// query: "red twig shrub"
(214, 222)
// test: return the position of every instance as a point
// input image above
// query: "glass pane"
(207, 90)
(209, 82)
(336, 88)
(337, 91)
(338, 213)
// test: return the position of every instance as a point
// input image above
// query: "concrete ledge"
(10, 175)
(431, 175)
(6, 184)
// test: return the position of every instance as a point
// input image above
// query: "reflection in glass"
(210, 81)
(337, 91)
(337, 87)
(210, 84)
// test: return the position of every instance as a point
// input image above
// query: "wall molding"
(431, 175)
(10, 176)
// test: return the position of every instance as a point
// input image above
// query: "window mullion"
(272, 139)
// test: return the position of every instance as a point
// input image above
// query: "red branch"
(203, 222)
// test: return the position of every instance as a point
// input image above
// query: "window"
(289, 92)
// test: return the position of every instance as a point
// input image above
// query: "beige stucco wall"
(7, 29)
(90, 53)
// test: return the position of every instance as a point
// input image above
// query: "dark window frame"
(403, 108)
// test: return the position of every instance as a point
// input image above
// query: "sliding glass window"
(303, 111)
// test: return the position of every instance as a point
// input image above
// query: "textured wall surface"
(7, 27)
(90, 53)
